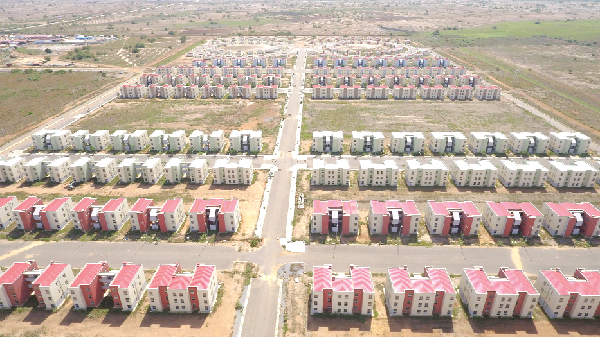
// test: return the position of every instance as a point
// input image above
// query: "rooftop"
(27, 203)
(84, 204)
(171, 205)
(163, 275)
(382, 207)
(126, 275)
(55, 204)
(444, 207)
(112, 204)
(180, 281)
(12, 273)
(4, 201)
(50, 274)
(322, 207)
(504, 208)
(88, 274)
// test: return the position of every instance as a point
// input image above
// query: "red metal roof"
(171, 205)
(503, 287)
(50, 274)
(321, 278)
(180, 282)
(423, 286)
(361, 276)
(400, 279)
(84, 204)
(202, 276)
(593, 277)
(87, 274)
(342, 284)
(479, 280)
(440, 280)
(559, 281)
(409, 207)
(14, 272)
(322, 207)
(125, 275)
(503, 208)
(55, 204)
(562, 209)
(112, 204)
(200, 205)
(4, 201)
(27, 203)
(520, 281)
(441, 208)
(141, 205)
(229, 206)
(163, 276)
(584, 288)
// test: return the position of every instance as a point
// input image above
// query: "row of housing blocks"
(88, 214)
(455, 142)
(268, 91)
(170, 288)
(158, 140)
(128, 170)
(397, 61)
(450, 217)
(508, 294)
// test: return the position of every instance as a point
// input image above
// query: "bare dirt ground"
(421, 195)
(250, 198)
(31, 321)
(383, 325)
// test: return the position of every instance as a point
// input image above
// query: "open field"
(250, 198)
(363, 196)
(30, 98)
(189, 115)
(300, 323)
(391, 116)
(32, 321)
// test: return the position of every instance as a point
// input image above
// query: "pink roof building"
(128, 286)
(393, 216)
(55, 215)
(50, 286)
(6, 207)
(81, 214)
(215, 215)
(188, 292)
(576, 296)
(157, 289)
(14, 287)
(568, 218)
(511, 218)
(334, 216)
(86, 289)
(342, 293)
(23, 213)
(452, 217)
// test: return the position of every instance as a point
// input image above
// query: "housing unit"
(117, 140)
(426, 294)
(511, 218)
(341, 293)
(127, 286)
(80, 140)
(528, 142)
(266, 91)
(322, 91)
(81, 214)
(366, 141)
(393, 216)
(405, 92)
(173, 171)
(434, 92)
(152, 170)
(479, 174)
(506, 295)
(215, 215)
(143, 215)
(226, 172)
(81, 169)
(373, 174)
(245, 141)
(55, 140)
(105, 170)
(157, 287)
(328, 141)
(198, 171)
(569, 218)
(576, 296)
(459, 93)
(51, 284)
(14, 288)
(99, 140)
(56, 215)
(187, 292)
(22, 214)
(171, 216)
(451, 217)
(569, 142)
(447, 142)
(86, 290)
(524, 174)
(573, 173)
(488, 142)
(12, 170)
(7, 205)
(407, 142)
(137, 141)
(432, 172)
(113, 215)
(127, 171)
(487, 93)
(335, 216)
(350, 92)
(59, 169)
(337, 173)
(134, 91)
(35, 169)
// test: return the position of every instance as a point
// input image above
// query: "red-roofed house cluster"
(215, 215)
(451, 217)
(394, 217)
(419, 295)
(576, 296)
(183, 292)
(511, 218)
(506, 295)
(342, 293)
(568, 218)
(334, 216)
(168, 218)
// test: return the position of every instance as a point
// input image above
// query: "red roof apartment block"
(140, 214)
(576, 296)
(55, 215)
(6, 207)
(127, 286)
(51, 284)
(14, 288)
(451, 217)
(171, 215)
(341, 293)
(335, 216)
(419, 295)
(215, 214)
(393, 216)
(113, 214)
(157, 289)
(193, 291)
(506, 295)
(86, 289)
(568, 218)
(81, 214)
(511, 218)
(23, 213)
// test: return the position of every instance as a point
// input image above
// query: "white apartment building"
(266, 91)
(51, 287)
(138, 140)
(487, 93)
(350, 91)
(322, 92)
(134, 91)
(128, 286)
(569, 142)
(569, 218)
(337, 173)
(81, 169)
(55, 215)
(576, 296)
(152, 170)
(506, 295)
(447, 142)
(372, 174)
(187, 292)
(126, 171)
(328, 141)
(177, 140)
(435, 92)
(12, 170)
(159, 140)
(459, 93)
(480, 174)
(171, 216)
(393, 217)
(488, 142)
(226, 172)
(34, 169)
(198, 171)
(7, 205)
(342, 294)
(41, 140)
(173, 172)
(524, 174)
(105, 170)
(80, 139)
(99, 140)
(366, 141)
(528, 142)
(405, 92)
(407, 142)
(431, 172)
(574, 173)
(245, 141)
(59, 169)
(60, 140)
(511, 218)
(117, 140)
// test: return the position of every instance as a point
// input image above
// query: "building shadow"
(37, 316)
(421, 324)
(228, 187)
(74, 317)
(510, 325)
(584, 327)
(471, 189)
(328, 188)
(172, 320)
(339, 322)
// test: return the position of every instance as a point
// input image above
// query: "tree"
(437, 32)
(47, 58)
(183, 39)
(48, 51)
